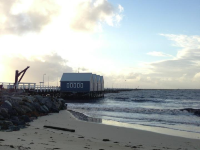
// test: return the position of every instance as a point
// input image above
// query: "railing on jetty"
(22, 85)
(39, 88)
(29, 86)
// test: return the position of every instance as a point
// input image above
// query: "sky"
(152, 44)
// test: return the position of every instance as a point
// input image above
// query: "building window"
(67, 85)
(74, 85)
(71, 85)
(78, 85)
(81, 85)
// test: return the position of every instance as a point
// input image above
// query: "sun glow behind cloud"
(32, 37)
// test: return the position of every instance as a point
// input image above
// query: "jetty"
(72, 86)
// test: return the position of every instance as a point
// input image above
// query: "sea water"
(153, 110)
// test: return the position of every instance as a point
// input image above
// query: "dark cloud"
(39, 14)
(52, 65)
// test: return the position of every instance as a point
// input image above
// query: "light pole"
(48, 81)
(43, 79)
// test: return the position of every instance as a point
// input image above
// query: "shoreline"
(88, 135)
(154, 129)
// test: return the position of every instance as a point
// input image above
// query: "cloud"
(197, 76)
(90, 14)
(121, 9)
(159, 54)
(22, 16)
(180, 70)
(184, 41)
(133, 76)
(52, 65)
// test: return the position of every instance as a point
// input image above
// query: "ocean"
(158, 111)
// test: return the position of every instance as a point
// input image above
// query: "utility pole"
(43, 79)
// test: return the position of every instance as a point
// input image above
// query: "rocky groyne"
(17, 109)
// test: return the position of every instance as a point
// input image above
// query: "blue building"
(102, 83)
(94, 82)
(76, 82)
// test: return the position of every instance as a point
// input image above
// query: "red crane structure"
(17, 75)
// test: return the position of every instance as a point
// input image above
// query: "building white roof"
(76, 77)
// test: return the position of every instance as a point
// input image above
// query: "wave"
(129, 119)
(139, 100)
(147, 100)
(131, 110)
(169, 124)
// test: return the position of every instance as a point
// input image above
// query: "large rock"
(6, 124)
(29, 99)
(62, 103)
(16, 99)
(26, 109)
(1, 117)
(12, 112)
(4, 112)
(191, 110)
(197, 112)
(1, 122)
(46, 109)
(6, 104)
(37, 107)
(15, 120)
(48, 103)
(18, 109)
(14, 128)
(39, 98)
(30, 105)
(25, 118)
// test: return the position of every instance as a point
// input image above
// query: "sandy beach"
(88, 135)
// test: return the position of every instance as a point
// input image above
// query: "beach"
(171, 112)
(88, 135)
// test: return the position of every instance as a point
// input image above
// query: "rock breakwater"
(17, 109)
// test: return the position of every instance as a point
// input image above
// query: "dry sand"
(89, 136)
